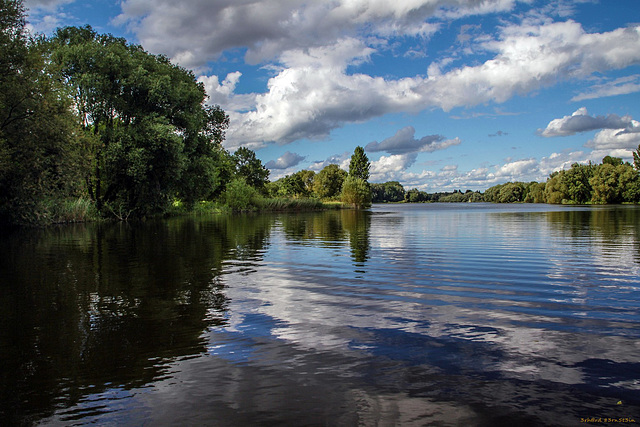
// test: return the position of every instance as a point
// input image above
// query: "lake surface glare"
(416, 314)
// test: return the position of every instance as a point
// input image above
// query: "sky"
(442, 94)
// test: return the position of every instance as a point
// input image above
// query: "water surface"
(450, 314)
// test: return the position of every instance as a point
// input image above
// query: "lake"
(445, 314)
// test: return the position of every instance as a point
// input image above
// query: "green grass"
(70, 210)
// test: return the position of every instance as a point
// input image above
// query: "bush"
(240, 196)
(356, 192)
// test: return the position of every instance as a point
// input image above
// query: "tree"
(356, 192)
(605, 184)
(359, 165)
(613, 161)
(249, 167)
(328, 182)
(156, 139)
(391, 191)
(40, 149)
(636, 158)
(575, 182)
(307, 177)
(291, 186)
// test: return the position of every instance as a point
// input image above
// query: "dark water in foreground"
(405, 315)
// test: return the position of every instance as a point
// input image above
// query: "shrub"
(356, 192)
(240, 196)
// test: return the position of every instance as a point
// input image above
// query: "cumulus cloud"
(342, 160)
(404, 142)
(581, 121)
(390, 168)
(287, 160)
(313, 93)
(615, 142)
(45, 15)
(267, 28)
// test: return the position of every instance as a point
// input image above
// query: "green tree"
(291, 186)
(40, 150)
(553, 190)
(535, 192)
(249, 167)
(156, 139)
(328, 182)
(391, 191)
(307, 177)
(605, 184)
(636, 158)
(240, 196)
(575, 182)
(613, 161)
(359, 165)
(356, 192)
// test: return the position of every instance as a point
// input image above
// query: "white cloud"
(581, 121)
(342, 160)
(389, 168)
(202, 30)
(50, 5)
(313, 93)
(621, 86)
(287, 160)
(615, 142)
(44, 16)
(404, 141)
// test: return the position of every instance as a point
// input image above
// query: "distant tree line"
(331, 183)
(612, 181)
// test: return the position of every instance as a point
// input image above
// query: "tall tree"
(250, 168)
(359, 165)
(328, 182)
(40, 152)
(636, 158)
(156, 139)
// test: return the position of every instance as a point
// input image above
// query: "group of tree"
(612, 181)
(85, 115)
(89, 117)
(330, 183)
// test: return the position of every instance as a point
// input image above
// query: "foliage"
(282, 204)
(249, 167)
(155, 137)
(636, 158)
(291, 186)
(356, 192)
(328, 182)
(240, 196)
(391, 191)
(40, 148)
(359, 165)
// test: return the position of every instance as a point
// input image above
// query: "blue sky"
(443, 94)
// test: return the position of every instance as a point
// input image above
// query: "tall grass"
(289, 205)
(70, 210)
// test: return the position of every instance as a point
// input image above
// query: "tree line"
(93, 126)
(612, 181)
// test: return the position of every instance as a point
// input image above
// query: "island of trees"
(94, 127)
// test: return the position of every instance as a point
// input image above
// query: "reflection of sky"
(455, 310)
(465, 276)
